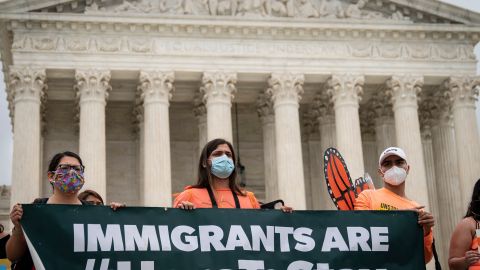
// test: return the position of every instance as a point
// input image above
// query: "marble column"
(369, 145)
(432, 189)
(285, 90)
(425, 110)
(346, 91)
(157, 87)
(312, 153)
(139, 129)
(384, 122)
(463, 93)
(323, 107)
(92, 88)
(314, 189)
(218, 89)
(200, 113)
(26, 89)
(403, 91)
(447, 179)
(266, 114)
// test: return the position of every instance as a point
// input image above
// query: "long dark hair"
(204, 174)
(56, 160)
(475, 198)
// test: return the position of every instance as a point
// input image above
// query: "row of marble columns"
(455, 148)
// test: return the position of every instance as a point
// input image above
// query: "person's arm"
(427, 246)
(427, 221)
(362, 202)
(460, 256)
(183, 201)
(16, 245)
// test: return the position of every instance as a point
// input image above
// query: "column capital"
(403, 90)
(427, 115)
(138, 111)
(322, 105)
(199, 109)
(345, 89)
(218, 87)
(27, 84)
(441, 109)
(265, 106)
(462, 91)
(92, 85)
(156, 86)
(311, 125)
(381, 104)
(285, 88)
(367, 116)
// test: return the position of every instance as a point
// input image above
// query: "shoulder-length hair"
(205, 178)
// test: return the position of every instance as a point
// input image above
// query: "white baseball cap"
(391, 151)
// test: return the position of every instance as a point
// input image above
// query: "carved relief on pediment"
(127, 6)
(357, 11)
(337, 9)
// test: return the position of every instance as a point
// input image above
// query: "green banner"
(95, 237)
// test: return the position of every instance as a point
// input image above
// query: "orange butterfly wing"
(339, 183)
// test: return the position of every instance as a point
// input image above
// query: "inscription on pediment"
(182, 47)
(331, 9)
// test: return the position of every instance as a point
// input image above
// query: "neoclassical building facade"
(137, 87)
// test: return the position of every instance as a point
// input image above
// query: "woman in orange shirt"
(216, 186)
(464, 244)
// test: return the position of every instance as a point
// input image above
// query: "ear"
(380, 173)
(408, 168)
(50, 176)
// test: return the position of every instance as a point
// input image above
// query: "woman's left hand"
(186, 205)
(116, 205)
(286, 209)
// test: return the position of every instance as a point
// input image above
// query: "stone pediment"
(420, 11)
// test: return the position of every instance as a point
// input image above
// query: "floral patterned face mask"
(68, 180)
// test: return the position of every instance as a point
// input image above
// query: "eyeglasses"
(68, 167)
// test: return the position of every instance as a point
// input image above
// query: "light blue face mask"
(222, 167)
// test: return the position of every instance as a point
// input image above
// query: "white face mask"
(395, 176)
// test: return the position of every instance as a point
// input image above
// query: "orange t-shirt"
(384, 199)
(224, 197)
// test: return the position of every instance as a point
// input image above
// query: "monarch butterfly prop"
(339, 183)
(363, 183)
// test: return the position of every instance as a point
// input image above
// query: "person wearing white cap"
(393, 168)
